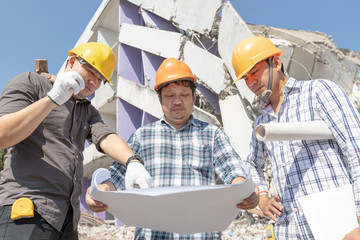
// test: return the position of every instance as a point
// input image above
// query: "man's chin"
(177, 119)
(80, 96)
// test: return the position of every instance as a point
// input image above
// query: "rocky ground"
(246, 227)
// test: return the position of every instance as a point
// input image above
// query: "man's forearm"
(116, 148)
(15, 127)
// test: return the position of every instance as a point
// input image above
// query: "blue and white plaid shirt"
(190, 155)
(306, 167)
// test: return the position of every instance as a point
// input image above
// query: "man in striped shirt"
(299, 167)
(179, 150)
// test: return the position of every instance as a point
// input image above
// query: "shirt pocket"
(199, 156)
(56, 121)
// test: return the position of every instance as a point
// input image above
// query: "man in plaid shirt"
(179, 150)
(299, 167)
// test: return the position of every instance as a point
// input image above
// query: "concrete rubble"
(142, 33)
(245, 227)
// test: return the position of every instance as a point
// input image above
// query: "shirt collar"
(188, 124)
(80, 100)
(289, 86)
(291, 83)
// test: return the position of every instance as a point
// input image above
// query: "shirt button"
(283, 164)
(289, 185)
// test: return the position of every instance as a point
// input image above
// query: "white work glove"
(66, 84)
(136, 174)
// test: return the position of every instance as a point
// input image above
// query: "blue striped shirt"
(190, 155)
(306, 167)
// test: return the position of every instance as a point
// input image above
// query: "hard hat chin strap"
(265, 95)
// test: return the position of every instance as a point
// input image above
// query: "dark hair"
(192, 86)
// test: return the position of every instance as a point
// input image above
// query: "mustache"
(176, 108)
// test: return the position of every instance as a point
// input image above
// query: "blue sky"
(46, 29)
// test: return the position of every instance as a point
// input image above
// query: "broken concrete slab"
(196, 16)
(158, 42)
(206, 66)
(329, 61)
(108, 15)
(287, 51)
(301, 64)
(236, 124)
(102, 95)
(285, 34)
(244, 91)
(130, 91)
(160, 8)
(153, 21)
(150, 65)
(188, 15)
(329, 67)
(232, 30)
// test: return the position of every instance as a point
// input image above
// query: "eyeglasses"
(83, 62)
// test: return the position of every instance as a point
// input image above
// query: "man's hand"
(250, 202)
(353, 235)
(271, 206)
(136, 174)
(97, 206)
(66, 84)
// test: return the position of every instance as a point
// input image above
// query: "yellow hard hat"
(171, 70)
(98, 55)
(251, 51)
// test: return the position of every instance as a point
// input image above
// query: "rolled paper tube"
(312, 130)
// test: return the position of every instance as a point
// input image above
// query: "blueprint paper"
(185, 209)
(312, 130)
(326, 219)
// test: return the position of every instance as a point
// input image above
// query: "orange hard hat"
(171, 70)
(251, 51)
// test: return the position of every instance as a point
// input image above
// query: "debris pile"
(247, 226)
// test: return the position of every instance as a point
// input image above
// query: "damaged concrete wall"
(314, 55)
(202, 33)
